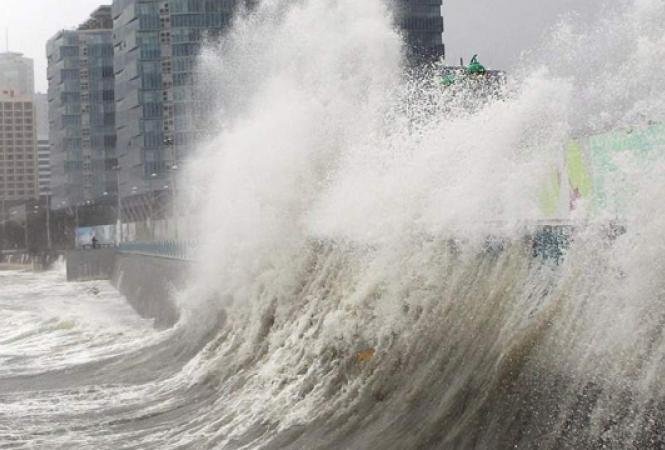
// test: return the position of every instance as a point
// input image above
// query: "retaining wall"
(150, 283)
(89, 265)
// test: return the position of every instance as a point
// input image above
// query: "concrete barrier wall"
(150, 284)
(89, 265)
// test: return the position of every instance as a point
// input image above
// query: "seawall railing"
(548, 240)
(184, 250)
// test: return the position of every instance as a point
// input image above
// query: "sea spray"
(367, 276)
(347, 240)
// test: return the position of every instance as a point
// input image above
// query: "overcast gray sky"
(32, 22)
(499, 30)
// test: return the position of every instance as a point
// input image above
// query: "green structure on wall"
(604, 171)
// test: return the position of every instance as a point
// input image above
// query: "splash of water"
(315, 141)
(329, 216)
(345, 209)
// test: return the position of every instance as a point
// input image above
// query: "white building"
(43, 146)
(17, 75)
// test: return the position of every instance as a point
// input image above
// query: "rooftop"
(100, 19)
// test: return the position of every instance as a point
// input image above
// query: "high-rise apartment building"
(17, 75)
(44, 166)
(421, 21)
(82, 111)
(156, 45)
(18, 152)
(43, 146)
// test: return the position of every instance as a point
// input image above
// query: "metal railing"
(185, 250)
(96, 246)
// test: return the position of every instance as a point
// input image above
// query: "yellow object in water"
(365, 356)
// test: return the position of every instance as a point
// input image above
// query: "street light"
(118, 206)
(49, 244)
(151, 203)
(25, 228)
(4, 229)
(174, 196)
(76, 216)
(168, 141)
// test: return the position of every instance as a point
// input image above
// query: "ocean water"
(346, 296)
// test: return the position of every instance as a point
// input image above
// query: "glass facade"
(156, 43)
(156, 46)
(421, 22)
(82, 111)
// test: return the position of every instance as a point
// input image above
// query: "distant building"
(156, 46)
(18, 151)
(421, 21)
(43, 149)
(41, 111)
(44, 167)
(17, 75)
(133, 106)
(82, 111)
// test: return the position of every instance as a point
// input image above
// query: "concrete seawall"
(149, 283)
(89, 265)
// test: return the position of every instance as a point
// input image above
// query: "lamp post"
(151, 204)
(25, 231)
(118, 224)
(173, 178)
(35, 211)
(48, 223)
(25, 227)
(174, 197)
(76, 223)
(4, 227)
(65, 220)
